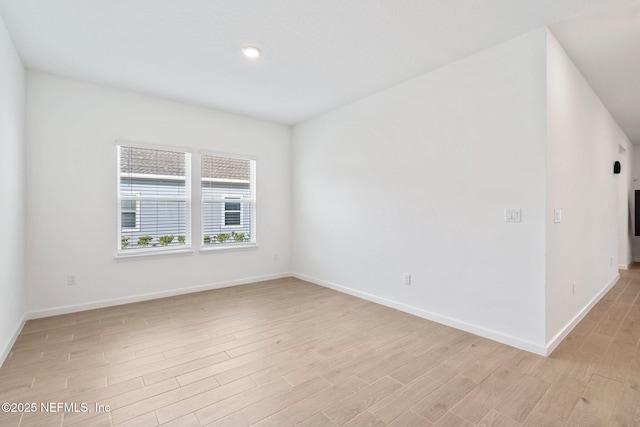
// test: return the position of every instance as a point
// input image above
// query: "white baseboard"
(557, 339)
(623, 266)
(425, 314)
(4, 352)
(54, 311)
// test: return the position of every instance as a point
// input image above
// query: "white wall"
(582, 144)
(415, 179)
(71, 194)
(12, 178)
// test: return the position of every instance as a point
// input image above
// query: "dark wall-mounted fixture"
(616, 167)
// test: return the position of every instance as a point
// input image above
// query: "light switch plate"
(513, 215)
(557, 215)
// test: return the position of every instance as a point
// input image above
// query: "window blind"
(228, 200)
(154, 199)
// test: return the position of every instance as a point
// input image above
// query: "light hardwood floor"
(286, 352)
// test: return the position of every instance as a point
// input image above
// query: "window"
(228, 201)
(154, 199)
(130, 213)
(232, 212)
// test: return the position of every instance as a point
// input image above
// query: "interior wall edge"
(4, 352)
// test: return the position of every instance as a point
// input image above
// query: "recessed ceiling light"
(251, 51)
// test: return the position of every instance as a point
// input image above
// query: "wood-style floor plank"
(289, 353)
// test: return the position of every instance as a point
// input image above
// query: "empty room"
(319, 213)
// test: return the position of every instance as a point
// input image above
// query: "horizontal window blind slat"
(153, 197)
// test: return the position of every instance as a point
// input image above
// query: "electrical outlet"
(573, 288)
(72, 280)
(407, 279)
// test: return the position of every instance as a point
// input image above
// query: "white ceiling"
(606, 49)
(317, 54)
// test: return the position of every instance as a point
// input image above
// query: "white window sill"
(148, 253)
(228, 247)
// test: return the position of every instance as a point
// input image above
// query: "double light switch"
(513, 215)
